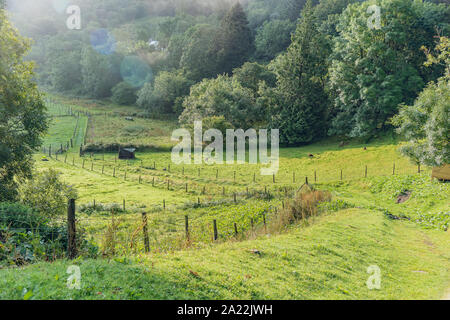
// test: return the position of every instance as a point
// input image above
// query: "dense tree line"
(309, 68)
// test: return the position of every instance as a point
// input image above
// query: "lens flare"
(103, 42)
(135, 72)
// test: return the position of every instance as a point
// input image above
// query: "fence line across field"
(191, 184)
(186, 229)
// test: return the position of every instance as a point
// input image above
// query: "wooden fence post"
(164, 204)
(264, 220)
(365, 174)
(123, 204)
(145, 230)
(71, 230)
(273, 178)
(216, 235)
(186, 226)
(341, 174)
(114, 172)
(235, 229)
(234, 197)
(393, 169)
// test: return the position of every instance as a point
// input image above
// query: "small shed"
(127, 153)
(441, 173)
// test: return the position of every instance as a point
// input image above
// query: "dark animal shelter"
(127, 153)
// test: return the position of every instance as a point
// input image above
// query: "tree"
(166, 94)
(251, 74)
(99, 73)
(426, 124)
(22, 112)
(298, 104)
(223, 96)
(234, 41)
(272, 38)
(124, 94)
(198, 60)
(376, 69)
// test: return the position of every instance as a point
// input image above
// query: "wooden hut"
(441, 173)
(127, 153)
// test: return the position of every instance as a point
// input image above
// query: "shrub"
(123, 94)
(302, 206)
(27, 237)
(47, 194)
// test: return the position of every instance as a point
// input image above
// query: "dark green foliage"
(251, 74)
(373, 71)
(27, 237)
(272, 38)
(198, 59)
(223, 96)
(100, 73)
(166, 94)
(426, 124)
(123, 94)
(22, 112)
(298, 104)
(234, 41)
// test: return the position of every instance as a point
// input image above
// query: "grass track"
(327, 260)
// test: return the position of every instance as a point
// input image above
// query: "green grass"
(139, 132)
(326, 260)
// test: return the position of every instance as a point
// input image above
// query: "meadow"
(325, 256)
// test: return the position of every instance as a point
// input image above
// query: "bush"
(27, 237)
(123, 94)
(46, 194)
(302, 206)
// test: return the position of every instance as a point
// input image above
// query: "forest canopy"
(310, 68)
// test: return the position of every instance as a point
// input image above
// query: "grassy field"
(326, 257)
(326, 260)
